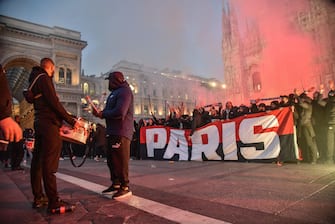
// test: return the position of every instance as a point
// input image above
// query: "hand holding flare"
(95, 111)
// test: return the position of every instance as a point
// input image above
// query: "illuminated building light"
(212, 84)
(137, 110)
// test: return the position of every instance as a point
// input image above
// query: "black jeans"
(44, 164)
(308, 135)
(117, 153)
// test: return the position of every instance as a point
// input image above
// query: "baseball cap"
(116, 75)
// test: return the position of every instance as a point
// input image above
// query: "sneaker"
(40, 202)
(122, 193)
(111, 190)
(61, 158)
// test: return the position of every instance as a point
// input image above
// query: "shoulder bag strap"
(33, 83)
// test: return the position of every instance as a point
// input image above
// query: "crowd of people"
(313, 113)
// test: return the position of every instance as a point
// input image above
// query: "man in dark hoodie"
(310, 149)
(119, 114)
(49, 114)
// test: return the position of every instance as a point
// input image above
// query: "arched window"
(256, 80)
(68, 76)
(85, 88)
(61, 77)
(146, 109)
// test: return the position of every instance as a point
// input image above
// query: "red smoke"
(288, 54)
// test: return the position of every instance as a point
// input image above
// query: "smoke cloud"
(288, 54)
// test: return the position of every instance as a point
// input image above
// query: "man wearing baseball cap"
(119, 114)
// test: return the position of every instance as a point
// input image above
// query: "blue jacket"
(119, 112)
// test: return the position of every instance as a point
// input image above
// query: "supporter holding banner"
(261, 136)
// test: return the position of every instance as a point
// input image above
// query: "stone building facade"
(241, 57)
(22, 46)
(242, 54)
(157, 91)
(319, 22)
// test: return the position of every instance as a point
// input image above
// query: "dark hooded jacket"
(119, 111)
(47, 107)
(329, 104)
(306, 109)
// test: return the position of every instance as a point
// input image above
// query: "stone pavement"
(181, 192)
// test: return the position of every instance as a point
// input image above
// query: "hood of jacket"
(35, 72)
(113, 85)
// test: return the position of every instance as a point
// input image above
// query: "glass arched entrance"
(17, 73)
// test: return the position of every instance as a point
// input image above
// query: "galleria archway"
(23, 44)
